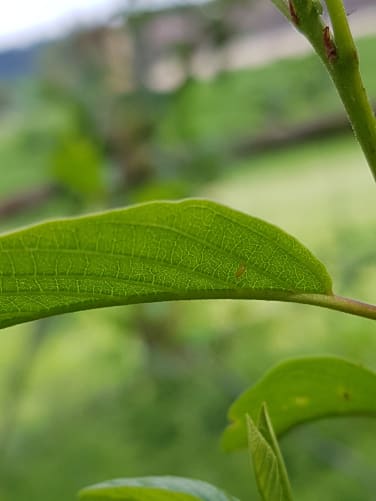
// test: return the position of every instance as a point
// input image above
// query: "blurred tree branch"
(28, 199)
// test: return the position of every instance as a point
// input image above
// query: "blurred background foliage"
(159, 104)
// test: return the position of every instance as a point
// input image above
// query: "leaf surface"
(151, 252)
(270, 471)
(155, 489)
(303, 390)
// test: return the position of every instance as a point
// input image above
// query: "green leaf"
(155, 489)
(152, 252)
(303, 390)
(270, 471)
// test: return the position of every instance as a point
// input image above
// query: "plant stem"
(338, 303)
(340, 58)
(344, 69)
(341, 28)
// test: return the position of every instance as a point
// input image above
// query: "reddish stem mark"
(293, 14)
(330, 48)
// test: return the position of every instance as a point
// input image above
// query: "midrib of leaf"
(153, 261)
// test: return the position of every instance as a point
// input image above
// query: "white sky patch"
(25, 21)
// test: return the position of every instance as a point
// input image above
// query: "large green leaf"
(152, 252)
(303, 390)
(270, 471)
(155, 489)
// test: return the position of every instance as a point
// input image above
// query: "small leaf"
(154, 489)
(269, 468)
(152, 252)
(303, 390)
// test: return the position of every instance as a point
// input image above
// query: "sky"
(25, 21)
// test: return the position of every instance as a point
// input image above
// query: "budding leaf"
(270, 471)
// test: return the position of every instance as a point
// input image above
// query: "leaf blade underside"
(193, 249)
(303, 390)
(154, 489)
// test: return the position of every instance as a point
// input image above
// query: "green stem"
(344, 69)
(341, 28)
(340, 57)
(338, 303)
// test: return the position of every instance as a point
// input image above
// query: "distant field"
(251, 101)
(199, 123)
(323, 183)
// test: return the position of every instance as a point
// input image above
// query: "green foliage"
(152, 252)
(270, 471)
(199, 115)
(154, 489)
(190, 250)
(77, 165)
(303, 390)
(227, 345)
